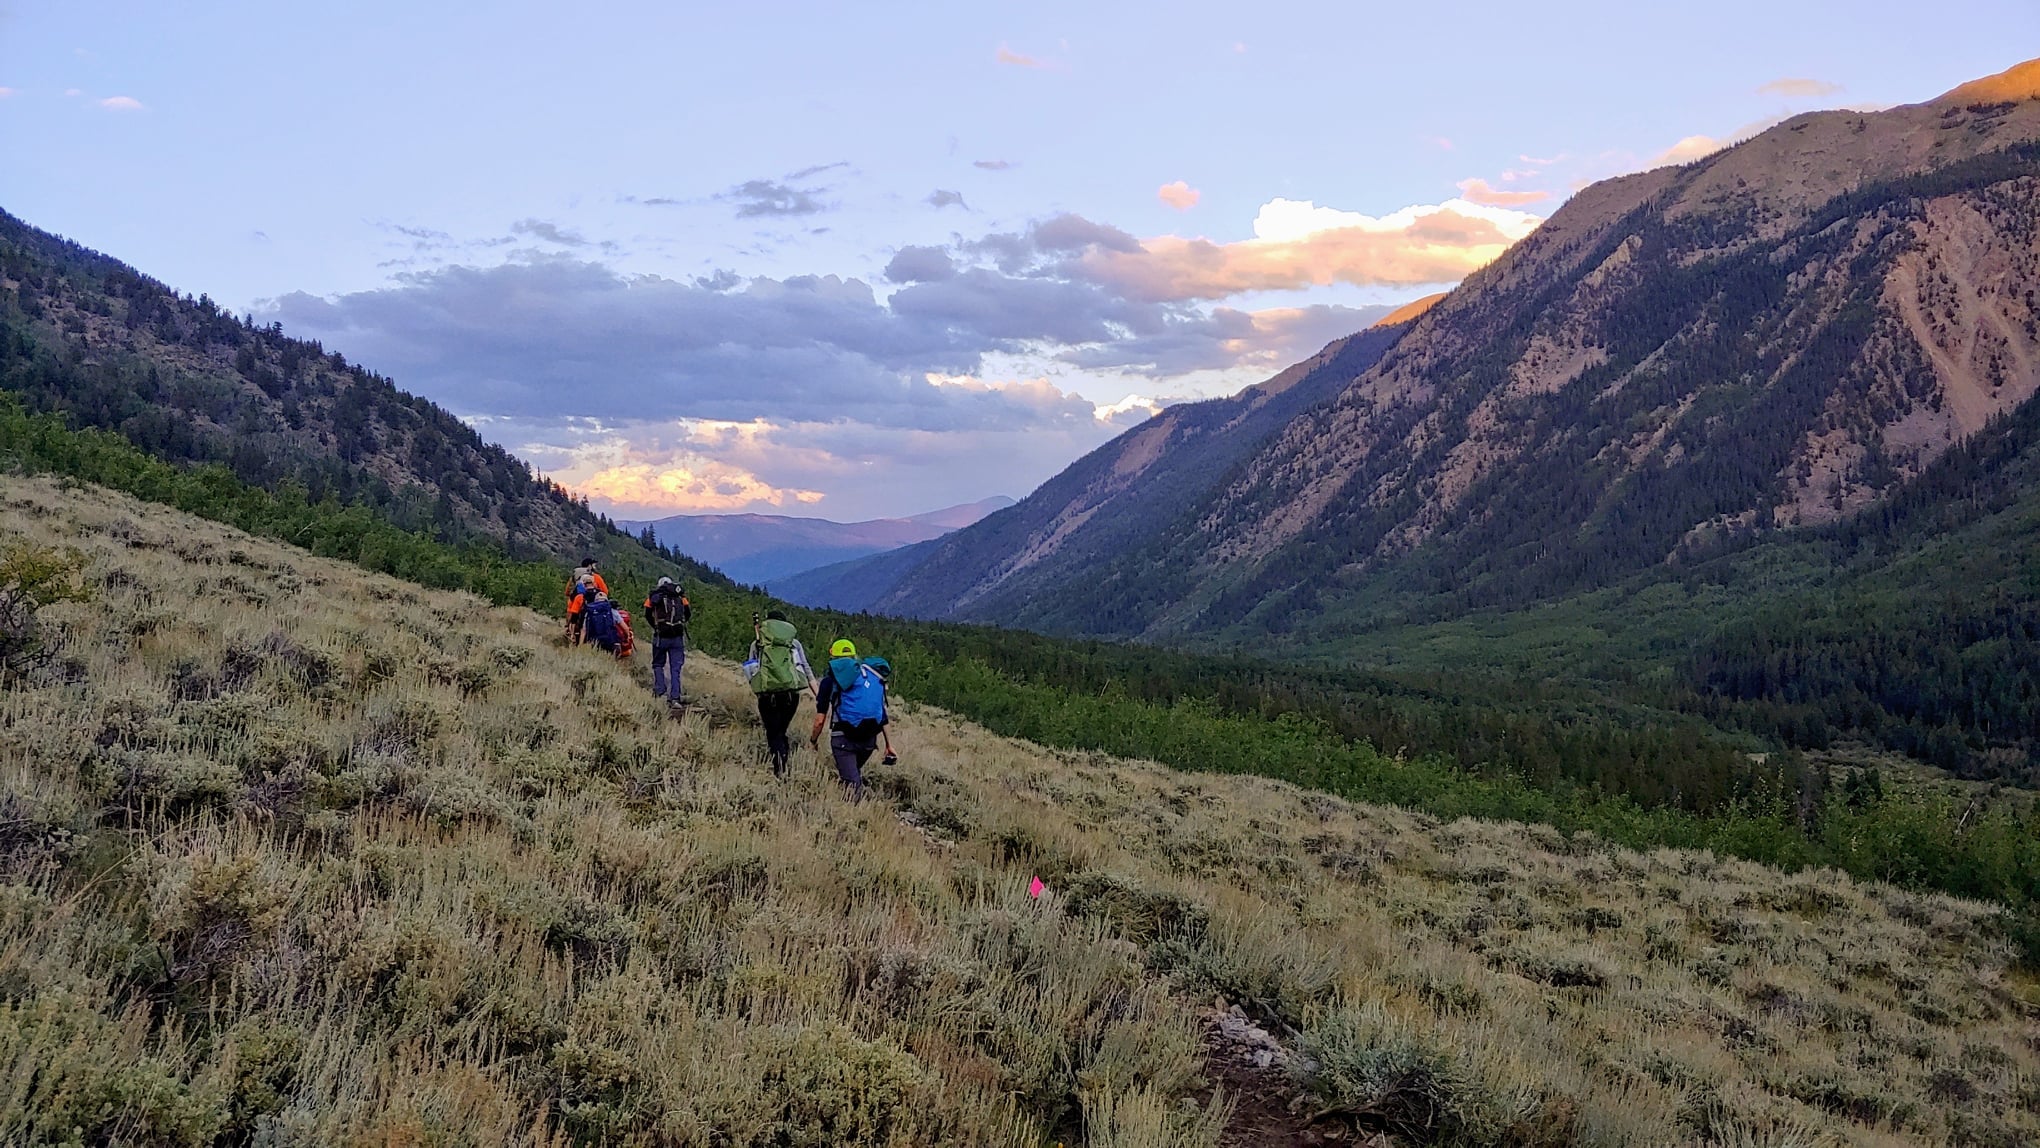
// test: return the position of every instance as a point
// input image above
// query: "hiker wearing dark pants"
(851, 701)
(669, 612)
(775, 712)
(779, 674)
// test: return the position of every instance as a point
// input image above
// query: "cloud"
(778, 197)
(986, 306)
(1226, 339)
(1478, 191)
(1687, 150)
(940, 198)
(920, 265)
(843, 470)
(1008, 56)
(1697, 147)
(1798, 88)
(535, 337)
(724, 391)
(766, 197)
(1179, 195)
(121, 104)
(817, 169)
(994, 164)
(1075, 233)
(1298, 244)
(430, 235)
(6, 92)
(1140, 407)
(688, 482)
(549, 232)
(73, 92)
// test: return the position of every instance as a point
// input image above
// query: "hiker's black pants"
(851, 750)
(775, 710)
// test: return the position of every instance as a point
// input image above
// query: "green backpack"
(777, 667)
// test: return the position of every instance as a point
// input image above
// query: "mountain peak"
(2018, 82)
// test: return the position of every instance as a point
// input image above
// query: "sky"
(870, 260)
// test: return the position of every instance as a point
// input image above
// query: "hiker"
(582, 587)
(779, 673)
(853, 694)
(668, 611)
(599, 623)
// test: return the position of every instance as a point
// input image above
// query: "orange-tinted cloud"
(1007, 55)
(1299, 244)
(1179, 195)
(1798, 88)
(1478, 191)
(687, 482)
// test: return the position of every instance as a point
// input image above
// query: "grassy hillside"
(1555, 756)
(292, 852)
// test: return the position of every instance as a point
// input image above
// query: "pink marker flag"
(1035, 888)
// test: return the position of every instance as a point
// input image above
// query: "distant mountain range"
(1676, 364)
(759, 549)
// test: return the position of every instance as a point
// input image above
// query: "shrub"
(816, 1087)
(1138, 914)
(1369, 1065)
(32, 577)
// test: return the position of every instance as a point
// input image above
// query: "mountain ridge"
(761, 548)
(1774, 336)
(1124, 492)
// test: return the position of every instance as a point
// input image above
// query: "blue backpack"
(602, 623)
(862, 700)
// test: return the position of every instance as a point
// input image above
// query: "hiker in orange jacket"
(581, 590)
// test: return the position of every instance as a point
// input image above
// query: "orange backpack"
(626, 643)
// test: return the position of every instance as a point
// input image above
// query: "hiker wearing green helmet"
(851, 702)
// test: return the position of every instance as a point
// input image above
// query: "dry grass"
(293, 853)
